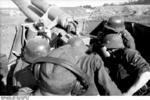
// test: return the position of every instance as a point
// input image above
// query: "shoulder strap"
(82, 77)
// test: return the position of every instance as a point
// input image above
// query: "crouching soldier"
(129, 70)
(36, 39)
(116, 25)
(68, 70)
(23, 71)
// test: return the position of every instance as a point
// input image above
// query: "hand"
(105, 52)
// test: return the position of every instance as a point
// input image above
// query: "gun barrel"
(54, 12)
(25, 7)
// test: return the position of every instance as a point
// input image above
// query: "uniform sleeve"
(137, 63)
(128, 40)
(105, 81)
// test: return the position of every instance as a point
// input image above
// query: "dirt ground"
(8, 22)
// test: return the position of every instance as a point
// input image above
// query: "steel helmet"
(36, 47)
(113, 41)
(115, 23)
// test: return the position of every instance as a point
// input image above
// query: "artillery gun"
(49, 28)
(34, 9)
(56, 25)
(57, 21)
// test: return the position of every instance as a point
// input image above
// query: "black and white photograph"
(74, 48)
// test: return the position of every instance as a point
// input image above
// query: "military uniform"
(56, 80)
(20, 71)
(27, 40)
(125, 64)
(125, 67)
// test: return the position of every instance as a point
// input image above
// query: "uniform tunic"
(125, 67)
(60, 81)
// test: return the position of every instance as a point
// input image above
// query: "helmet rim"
(117, 29)
(113, 41)
(115, 23)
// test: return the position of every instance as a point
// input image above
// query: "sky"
(68, 3)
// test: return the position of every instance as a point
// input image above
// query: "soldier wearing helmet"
(33, 46)
(127, 68)
(36, 47)
(115, 24)
(111, 42)
(57, 80)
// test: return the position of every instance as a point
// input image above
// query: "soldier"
(57, 80)
(21, 73)
(35, 36)
(115, 25)
(128, 69)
